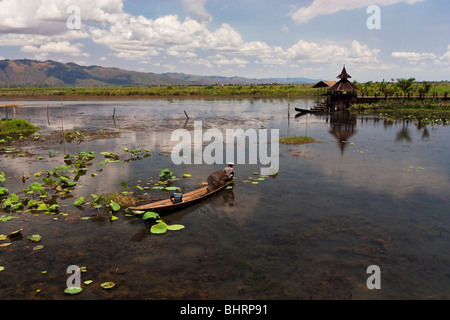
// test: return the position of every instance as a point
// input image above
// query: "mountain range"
(32, 73)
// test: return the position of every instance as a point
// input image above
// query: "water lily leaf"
(108, 285)
(171, 188)
(175, 227)
(2, 268)
(79, 201)
(186, 175)
(15, 233)
(36, 186)
(159, 228)
(5, 244)
(150, 215)
(88, 282)
(158, 188)
(53, 208)
(42, 207)
(124, 184)
(115, 206)
(113, 217)
(38, 247)
(73, 290)
(14, 197)
(34, 238)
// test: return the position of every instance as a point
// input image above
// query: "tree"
(405, 85)
(425, 88)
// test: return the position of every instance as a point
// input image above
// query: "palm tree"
(405, 85)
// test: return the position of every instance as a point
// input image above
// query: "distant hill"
(32, 73)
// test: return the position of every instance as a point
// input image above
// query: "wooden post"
(62, 117)
(48, 118)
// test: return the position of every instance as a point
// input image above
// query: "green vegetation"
(291, 90)
(16, 127)
(297, 140)
(402, 87)
(56, 184)
(115, 198)
(405, 85)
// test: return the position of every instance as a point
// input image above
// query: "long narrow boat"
(305, 109)
(189, 199)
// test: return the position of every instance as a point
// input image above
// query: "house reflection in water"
(343, 126)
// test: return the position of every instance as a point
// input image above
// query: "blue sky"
(249, 38)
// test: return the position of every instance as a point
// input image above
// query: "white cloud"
(222, 60)
(327, 7)
(50, 16)
(310, 52)
(40, 26)
(413, 57)
(63, 47)
(422, 58)
(196, 9)
(445, 58)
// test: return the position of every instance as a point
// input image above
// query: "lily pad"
(175, 227)
(150, 215)
(159, 228)
(108, 285)
(73, 290)
(88, 282)
(79, 201)
(34, 238)
(115, 206)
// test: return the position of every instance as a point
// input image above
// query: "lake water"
(310, 232)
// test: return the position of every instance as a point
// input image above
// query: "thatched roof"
(344, 74)
(324, 84)
(344, 85)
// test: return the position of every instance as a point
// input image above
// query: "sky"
(247, 38)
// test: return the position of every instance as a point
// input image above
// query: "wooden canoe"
(305, 109)
(189, 199)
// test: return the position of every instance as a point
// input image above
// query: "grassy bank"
(429, 105)
(167, 91)
(16, 127)
(297, 140)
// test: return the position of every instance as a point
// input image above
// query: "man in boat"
(229, 172)
(220, 178)
(177, 197)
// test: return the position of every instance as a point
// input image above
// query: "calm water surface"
(335, 208)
